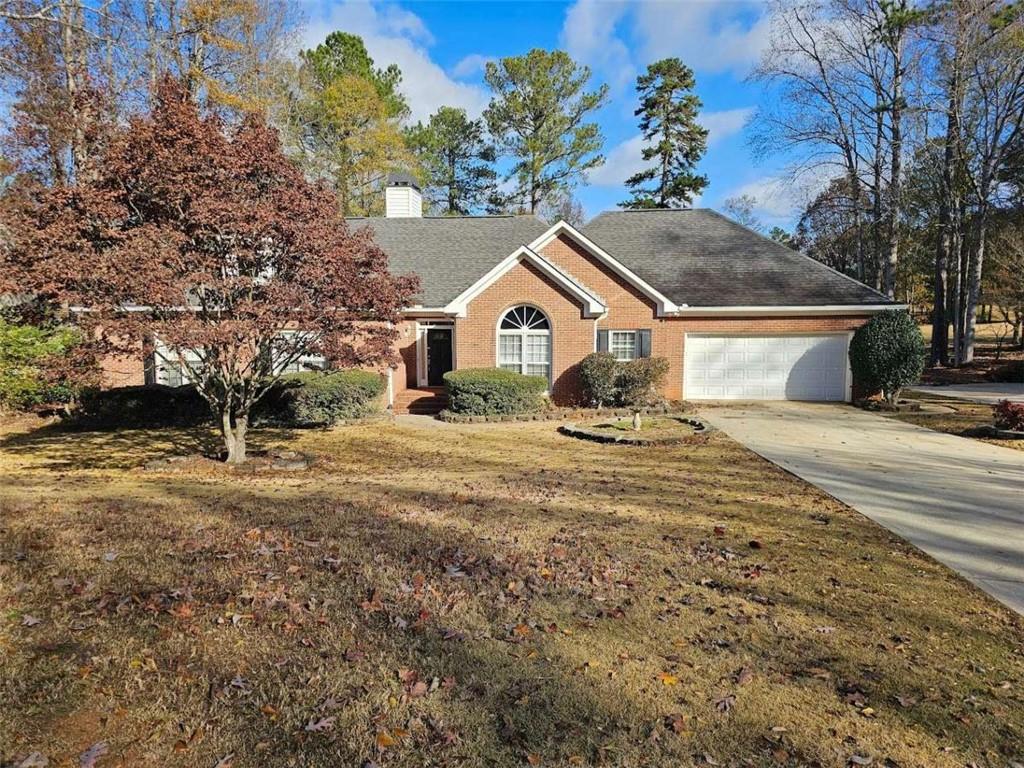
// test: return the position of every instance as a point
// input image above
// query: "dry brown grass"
(957, 416)
(561, 602)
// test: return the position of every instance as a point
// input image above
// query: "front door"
(439, 355)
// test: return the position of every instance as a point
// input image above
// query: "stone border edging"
(598, 436)
(987, 430)
(557, 414)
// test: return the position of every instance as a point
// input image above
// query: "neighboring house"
(737, 315)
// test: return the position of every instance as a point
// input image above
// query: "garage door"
(765, 367)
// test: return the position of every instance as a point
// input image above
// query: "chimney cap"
(403, 180)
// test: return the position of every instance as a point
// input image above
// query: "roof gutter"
(785, 311)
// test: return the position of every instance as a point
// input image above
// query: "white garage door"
(765, 367)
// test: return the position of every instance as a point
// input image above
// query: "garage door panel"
(809, 367)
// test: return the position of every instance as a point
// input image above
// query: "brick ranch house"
(737, 315)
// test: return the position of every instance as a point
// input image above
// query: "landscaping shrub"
(606, 381)
(598, 372)
(1009, 415)
(142, 408)
(887, 353)
(319, 398)
(25, 351)
(638, 380)
(488, 391)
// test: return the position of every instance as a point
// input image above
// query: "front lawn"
(947, 414)
(480, 595)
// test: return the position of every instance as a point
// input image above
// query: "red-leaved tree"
(210, 242)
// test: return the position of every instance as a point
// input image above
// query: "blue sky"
(441, 48)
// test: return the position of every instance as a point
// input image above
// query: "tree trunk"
(895, 186)
(974, 285)
(944, 243)
(234, 435)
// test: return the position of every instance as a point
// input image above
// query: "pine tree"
(675, 141)
(456, 161)
(538, 115)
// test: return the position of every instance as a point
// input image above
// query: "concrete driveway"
(960, 500)
(975, 393)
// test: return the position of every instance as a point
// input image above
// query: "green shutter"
(602, 341)
(643, 343)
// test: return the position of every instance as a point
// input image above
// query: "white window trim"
(636, 341)
(549, 332)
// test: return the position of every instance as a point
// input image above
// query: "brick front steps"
(427, 401)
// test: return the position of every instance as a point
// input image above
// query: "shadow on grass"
(64, 447)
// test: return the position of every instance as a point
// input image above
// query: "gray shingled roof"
(700, 258)
(449, 253)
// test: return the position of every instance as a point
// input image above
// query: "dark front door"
(439, 355)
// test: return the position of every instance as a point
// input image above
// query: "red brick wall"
(572, 335)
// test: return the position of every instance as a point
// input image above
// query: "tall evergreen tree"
(456, 161)
(344, 54)
(538, 115)
(675, 141)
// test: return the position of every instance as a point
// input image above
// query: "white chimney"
(402, 199)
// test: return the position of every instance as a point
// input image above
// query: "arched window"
(524, 341)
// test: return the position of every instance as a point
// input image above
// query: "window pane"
(622, 344)
(538, 348)
(510, 348)
(537, 369)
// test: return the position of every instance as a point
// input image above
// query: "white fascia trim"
(425, 311)
(665, 306)
(592, 305)
(826, 309)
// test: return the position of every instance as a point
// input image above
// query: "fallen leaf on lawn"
(575, 760)
(323, 724)
(269, 711)
(384, 740)
(30, 621)
(860, 760)
(88, 758)
(824, 630)
(676, 722)
(744, 676)
(725, 703)
(110, 557)
(755, 544)
(35, 760)
(418, 690)
(226, 761)
(719, 531)
(868, 712)
(533, 758)
(906, 701)
(668, 679)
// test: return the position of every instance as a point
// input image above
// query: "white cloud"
(624, 159)
(396, 36)
(707, 36)
(724, 123)
(589, 35)
(470, 65)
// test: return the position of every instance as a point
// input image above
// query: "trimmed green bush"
(598, 372)
(142, 408)
(639, 379)
(24, 351)
(606, 381)
(320, 398)
(489, 391)
(887, 353)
